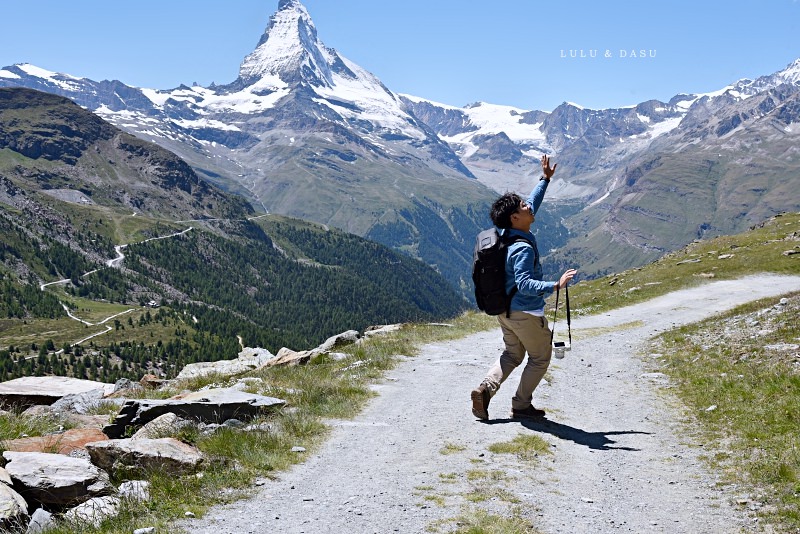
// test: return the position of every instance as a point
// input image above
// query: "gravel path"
(622, 458)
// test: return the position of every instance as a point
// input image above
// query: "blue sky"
(512, 52)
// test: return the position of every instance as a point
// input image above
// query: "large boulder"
(128, 456)
(339, 340)
(381, 330)
(55, 480)
(163, 426)
(13, 508)
(93, 511)
(208, 406)
(84, 403)
(287, 357)
(248, 360)
(41, 521)
(30, 390)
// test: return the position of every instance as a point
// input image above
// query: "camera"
(560, 348)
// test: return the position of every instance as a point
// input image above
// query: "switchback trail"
(623, 457)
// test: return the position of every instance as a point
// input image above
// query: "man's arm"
(537, 195)
(547, 172)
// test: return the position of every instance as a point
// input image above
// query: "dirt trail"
(622, 460)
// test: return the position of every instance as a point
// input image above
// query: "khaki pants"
(522, 332)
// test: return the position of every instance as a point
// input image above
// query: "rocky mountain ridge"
(304, 131)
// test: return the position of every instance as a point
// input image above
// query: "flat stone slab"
(248, 360)
(53, 479)
(143, 455)
(31, 390)
(209, 406)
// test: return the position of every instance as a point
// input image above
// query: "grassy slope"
(723, 258)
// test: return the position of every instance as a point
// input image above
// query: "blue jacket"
(523, 266)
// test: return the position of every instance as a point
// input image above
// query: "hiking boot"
(480, 402)
(527, 413)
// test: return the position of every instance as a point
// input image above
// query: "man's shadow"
(594, 440)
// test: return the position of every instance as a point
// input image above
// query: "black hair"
(503, 208)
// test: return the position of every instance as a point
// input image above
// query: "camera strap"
(569, 315)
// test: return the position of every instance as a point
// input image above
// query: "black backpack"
(489, 271)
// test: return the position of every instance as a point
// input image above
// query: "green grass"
(725, 362)
(525, 446)
(758, 251)
(451, 448)
(477, 521)
(14, 425)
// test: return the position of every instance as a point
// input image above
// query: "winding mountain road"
(623, 457)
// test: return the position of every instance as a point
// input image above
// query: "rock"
(298, 449)
(382, 329)
(126, 385)
(135, 490)
(248, 381)
(687, 261)
(233, 423)
(5, 478)
(54, 479)
(249, 359)
(262, 427)
(149, 381)
(208, 406)
(31, 390)
(41, 521)
(83, 403)
(143, 455)
(725, 256)
(93, 511)
(340, 340)
(289, 357)
(13, 508)
(163, 426)
(791, 252)
(63, 443)
(146, 530)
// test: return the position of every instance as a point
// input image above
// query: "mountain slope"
(95, 223)
(303, 132)
(62, 145)
(651, 177)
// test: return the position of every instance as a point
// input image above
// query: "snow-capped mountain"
(304, 131)
(649, 178)
(500, 144)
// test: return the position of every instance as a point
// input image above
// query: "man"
(526, 328)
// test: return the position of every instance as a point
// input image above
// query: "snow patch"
(8, 74)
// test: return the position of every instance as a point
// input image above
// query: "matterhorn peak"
(289, 49)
